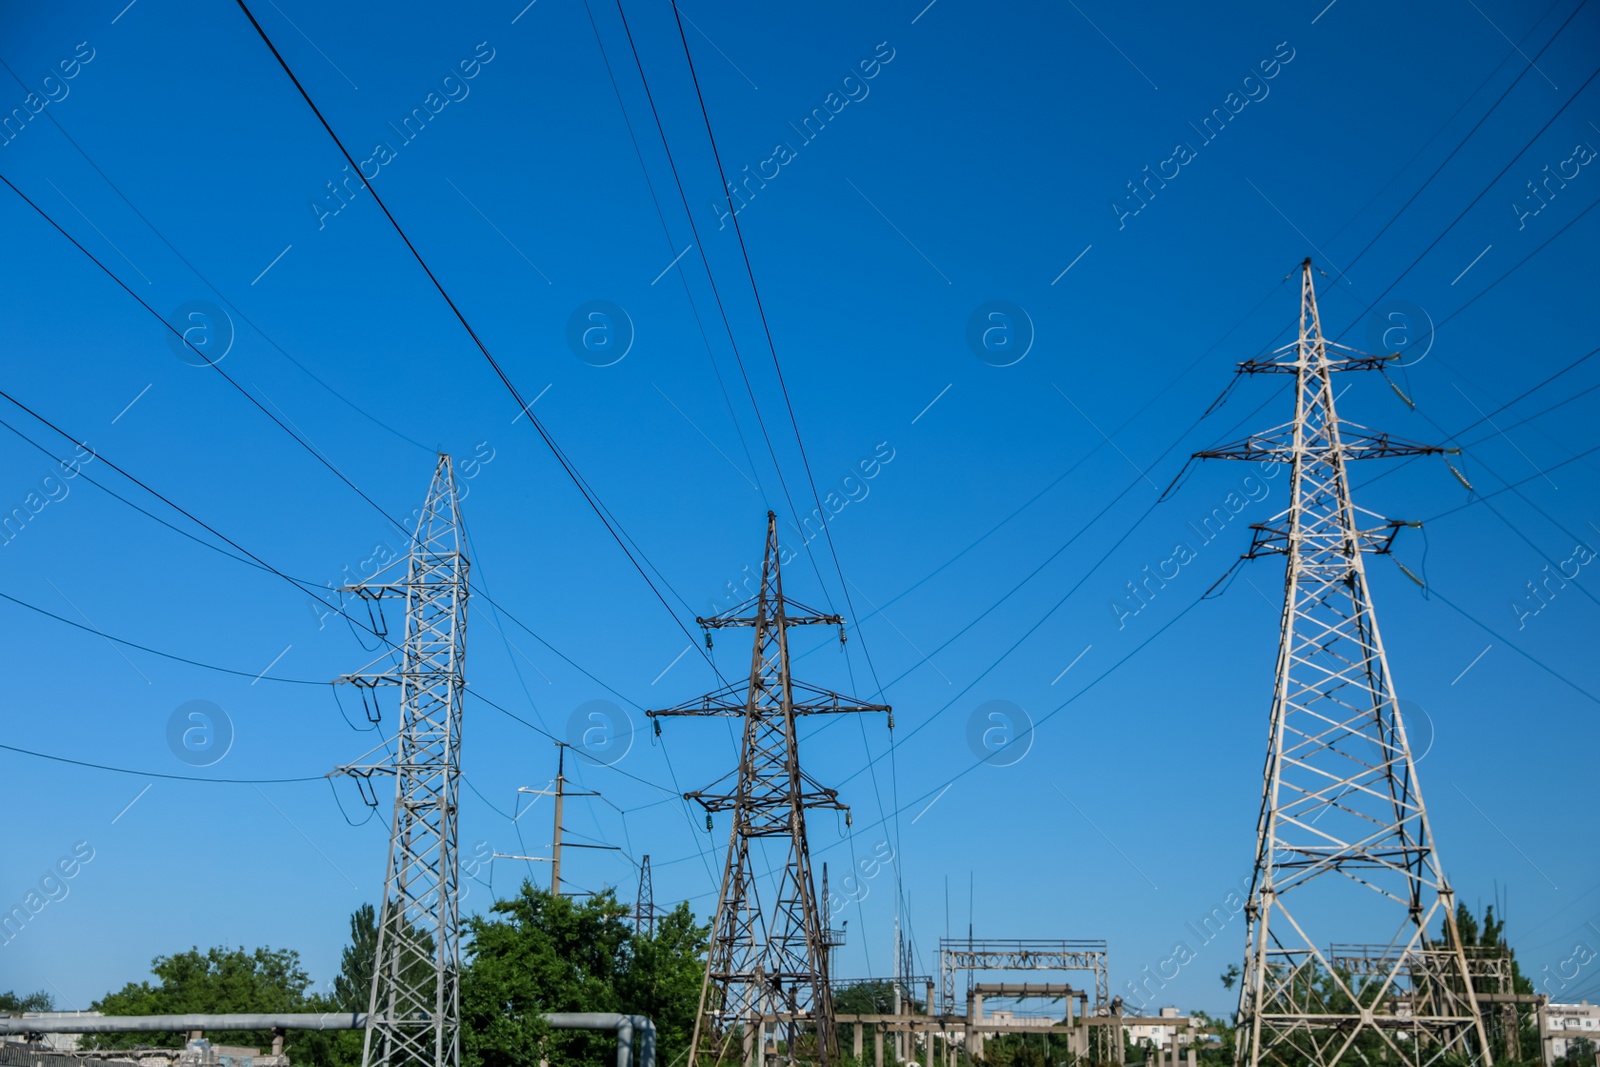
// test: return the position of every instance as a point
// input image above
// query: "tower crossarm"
(1278, 446)
(1273, 537)
(809, 617)
(733, 700)
(1288, 359)
(777, 814)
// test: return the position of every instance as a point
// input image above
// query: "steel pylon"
(414, 1010)
(768, 967)
(1343, 839)
(644, 907)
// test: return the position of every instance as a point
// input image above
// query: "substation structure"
(1026, 955)
(937, 1038)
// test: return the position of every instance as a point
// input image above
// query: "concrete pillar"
(855, 1041)
(977, 1013)
(927, 1056)
(277, 1041)
(877, 1045)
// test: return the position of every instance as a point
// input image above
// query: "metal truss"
(644, 907)
(414, 1012)
(965, 954)
(1343, 834)
(767, 965)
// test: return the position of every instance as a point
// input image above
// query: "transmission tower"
(767, 966)
(644, 908)
(1343, 835)
(414, 1012)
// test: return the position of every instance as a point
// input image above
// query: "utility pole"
(767, 968)
(644, 908)
(560, 793)
(1341, 807)
(414, 1010)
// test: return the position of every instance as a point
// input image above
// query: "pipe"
(71, 1023)
(634, 1032)
(631, 1030)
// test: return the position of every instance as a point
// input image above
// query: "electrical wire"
(156, 651)
(1575, 364)
(671, 246)
(242, 391)
(1461, 144)
(716, 294)
(1481, 194)
(640, 561)
(157, 774)
(352, 405)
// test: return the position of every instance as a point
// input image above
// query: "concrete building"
(1161, 1036)
(1564, 1023)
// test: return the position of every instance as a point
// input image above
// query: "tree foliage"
(537, 953)
(40, 1001)
(219, 980)
(534, 953)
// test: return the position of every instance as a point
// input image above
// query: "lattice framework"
(1343, 833)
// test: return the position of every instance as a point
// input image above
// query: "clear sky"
(1437, 161)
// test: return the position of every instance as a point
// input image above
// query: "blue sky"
(986, 161)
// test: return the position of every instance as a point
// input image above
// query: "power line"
(614, 529)
(1462, 143)
(352, 405)
(1522, 481)
(318, 456)
(1481, 194)
(156, 651)
(738, 357)
(666, 231)
(157, 774)
(716, 291)
(1514, 400)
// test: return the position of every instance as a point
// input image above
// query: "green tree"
(40, 1001)
(216, 981)
(664, 976)
(1487, 938)
(1580, 1052)
(548, 953)
(863, 998)
(352, 988)
(1214, 1042)
(538, 953)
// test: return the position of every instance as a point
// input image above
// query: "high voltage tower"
(644, 906)
(767, 966)
(1343, 835)
(414, 1012)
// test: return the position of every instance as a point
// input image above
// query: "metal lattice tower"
(1343, 837)
(767, 967)
(644, 908)
(414, 1012)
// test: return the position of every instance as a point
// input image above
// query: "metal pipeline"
(636, 1034)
